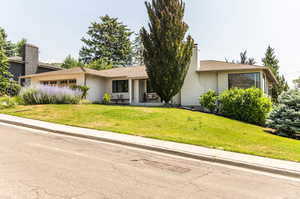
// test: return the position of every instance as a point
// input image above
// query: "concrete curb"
(286, 168)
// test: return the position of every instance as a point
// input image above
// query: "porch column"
(136, 91)
(130, 90)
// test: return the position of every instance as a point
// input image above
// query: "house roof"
(17, 59)
(215, 66)
(140, 71)
(126, 72)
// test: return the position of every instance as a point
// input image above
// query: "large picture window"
(120, 86)
(244, 80)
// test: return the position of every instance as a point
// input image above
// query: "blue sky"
(222, 28)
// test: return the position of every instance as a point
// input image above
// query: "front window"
(120, 86)
(60, 83)
(244, 80)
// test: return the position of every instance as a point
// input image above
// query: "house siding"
(97, 87)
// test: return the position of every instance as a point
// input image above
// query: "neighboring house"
(129, 84)
(28, 64)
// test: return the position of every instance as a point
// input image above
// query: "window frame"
(120, 86)
(257, 83)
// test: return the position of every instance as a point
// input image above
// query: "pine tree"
(272, 62)
(108, 39)
(8, 47)
(5, 75)
(167, 54)
(138, 50)
(286, 116)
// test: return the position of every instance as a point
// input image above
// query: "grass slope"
(168, 124)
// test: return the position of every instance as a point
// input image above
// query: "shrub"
(248, 105)
(50, 95)
(9, 102)
(11, 88)
(209, 101)
(83, 89)
(106, 99)
(285, 117)
(84, 101)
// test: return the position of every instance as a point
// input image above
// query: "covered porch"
(134, 92)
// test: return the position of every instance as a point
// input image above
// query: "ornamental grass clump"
(50, 95)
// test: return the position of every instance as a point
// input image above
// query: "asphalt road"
(40, 165)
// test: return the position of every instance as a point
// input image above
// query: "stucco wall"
(97, 87)
(196, 83)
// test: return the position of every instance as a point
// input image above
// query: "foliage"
(50, 95)
(12, 49)
(5, 75)
(248, 105)
(11, 88)
(106, 99)
(167, 54)
(286, 115)
(7, 46)
(9, 102)
(209, 101)
(138, 51)
(71, 62)
(272, 62)
(100, 64)
(243, 59)
(20, 46)
(108, 39)
(83, 89)
(85, 101)
(297, 83)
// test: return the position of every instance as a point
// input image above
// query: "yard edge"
(207, 158)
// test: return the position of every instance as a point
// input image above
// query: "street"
(41, 165)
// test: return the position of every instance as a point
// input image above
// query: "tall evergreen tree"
(8, 47)
(167, 54)
(5, 75)
(109, 39)
(138, 50)
(270, 60)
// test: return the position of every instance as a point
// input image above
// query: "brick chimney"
(31, 59)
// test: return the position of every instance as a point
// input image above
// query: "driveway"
(39, 165)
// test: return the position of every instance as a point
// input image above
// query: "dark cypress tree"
(167, 54)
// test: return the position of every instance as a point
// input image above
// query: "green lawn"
(168, 124)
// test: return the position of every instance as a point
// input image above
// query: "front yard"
(168, 124)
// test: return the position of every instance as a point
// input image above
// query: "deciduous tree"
(71, 62)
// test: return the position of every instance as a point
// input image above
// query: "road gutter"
(280, 167)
